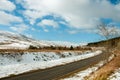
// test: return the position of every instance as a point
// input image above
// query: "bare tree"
(108, 31)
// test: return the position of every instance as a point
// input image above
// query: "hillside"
(111, 43)
(10, 40)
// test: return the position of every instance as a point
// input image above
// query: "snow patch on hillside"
(9, 40)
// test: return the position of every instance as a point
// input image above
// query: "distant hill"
(10, 40)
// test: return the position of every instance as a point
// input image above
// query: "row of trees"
(59, 48)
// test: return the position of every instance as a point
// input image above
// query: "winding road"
(58, 71)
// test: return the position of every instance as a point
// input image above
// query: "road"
(55, 72)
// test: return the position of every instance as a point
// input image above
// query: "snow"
(61, 43)
(24, 62)
(16, 41)
(14, 46)
(82, 74)
(115, 75)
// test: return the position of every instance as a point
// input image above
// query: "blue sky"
(58, 20)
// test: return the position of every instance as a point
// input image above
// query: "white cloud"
(29, 35)
(7, 5)
(33, 29)
(81, 14)
(73, 31)
(46, 30)
(6, 19)
(20, 28)
(46, 22)
(117, 7)
(32, 15)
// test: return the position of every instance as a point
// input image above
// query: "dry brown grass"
(36, 50)
(107, 69)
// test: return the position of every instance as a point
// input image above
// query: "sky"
(58, 20)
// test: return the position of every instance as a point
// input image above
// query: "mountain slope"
(10, 40)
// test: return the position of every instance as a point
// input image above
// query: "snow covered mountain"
(10, 40)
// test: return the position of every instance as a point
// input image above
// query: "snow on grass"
(80, 75)
(115, 76)
(10, 64)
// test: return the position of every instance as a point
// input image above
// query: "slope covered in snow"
(10, 40)
(23, 62)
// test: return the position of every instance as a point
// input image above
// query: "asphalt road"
(55, 72)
